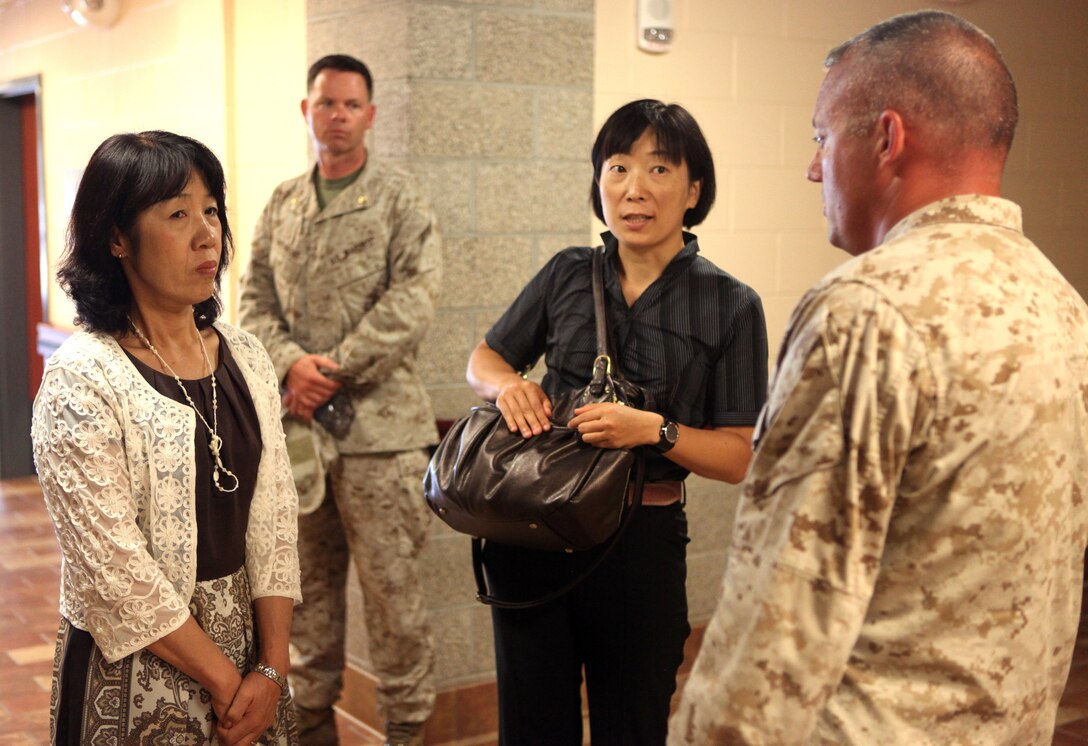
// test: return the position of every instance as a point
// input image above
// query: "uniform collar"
(963, 208)
(355, 196)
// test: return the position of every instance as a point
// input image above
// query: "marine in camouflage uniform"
(908, 552)
(356, 282)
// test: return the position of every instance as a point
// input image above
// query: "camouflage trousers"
(375, 514)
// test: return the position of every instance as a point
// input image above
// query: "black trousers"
(625, 625)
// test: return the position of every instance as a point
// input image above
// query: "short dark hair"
(344, 63)
(678, 138)
(934, 66)
(127, 174)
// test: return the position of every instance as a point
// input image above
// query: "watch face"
(671, 431)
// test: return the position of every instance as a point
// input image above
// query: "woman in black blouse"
(695, 337)
(163, 465)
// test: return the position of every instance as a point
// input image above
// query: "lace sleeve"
(111, 585)
(272, 536)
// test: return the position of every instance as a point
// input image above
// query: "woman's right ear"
(118, 245)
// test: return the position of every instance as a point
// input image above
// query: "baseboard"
(466, 712)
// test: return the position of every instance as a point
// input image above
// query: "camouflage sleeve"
(847, 405)
(259, 310)
(394, 326)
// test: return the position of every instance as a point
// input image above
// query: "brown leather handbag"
(550, 491)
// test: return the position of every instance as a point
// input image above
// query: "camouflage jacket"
(358, 282)
(908, 550)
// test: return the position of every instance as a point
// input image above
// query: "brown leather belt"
(660, 494)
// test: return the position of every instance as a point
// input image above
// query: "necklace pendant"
(222, 488)
(215, 443)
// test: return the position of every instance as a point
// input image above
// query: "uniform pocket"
(415, 514)
(360, 280)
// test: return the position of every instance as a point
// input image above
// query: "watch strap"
(664, 443)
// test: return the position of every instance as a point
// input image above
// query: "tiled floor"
(29, 576)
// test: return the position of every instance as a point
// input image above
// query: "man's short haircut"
(344, 63)
(678, 138)
(127, 174)
(932, 66)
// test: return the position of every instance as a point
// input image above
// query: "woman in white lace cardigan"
(162, 460)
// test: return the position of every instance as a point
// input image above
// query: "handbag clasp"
(602, 378)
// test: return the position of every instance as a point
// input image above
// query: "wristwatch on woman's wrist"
(667, 436)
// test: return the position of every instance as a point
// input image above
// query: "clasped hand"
(526, 409)
(307, 387)
(250, 713)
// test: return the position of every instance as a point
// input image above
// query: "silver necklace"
(216, 443)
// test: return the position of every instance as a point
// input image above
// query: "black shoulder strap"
(598, 302)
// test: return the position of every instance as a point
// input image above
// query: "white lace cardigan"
(117, 467)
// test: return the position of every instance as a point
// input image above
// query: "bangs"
(159, 173)
(621, 133)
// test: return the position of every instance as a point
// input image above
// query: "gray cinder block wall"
(490, 104)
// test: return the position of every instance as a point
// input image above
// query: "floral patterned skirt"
(141, 699)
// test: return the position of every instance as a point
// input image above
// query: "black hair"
(678, 138)
(127, 174)
(344, 63)
(934, 66)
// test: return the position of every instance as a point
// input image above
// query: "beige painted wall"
(266, 67)
(749, 72)
(212, 69)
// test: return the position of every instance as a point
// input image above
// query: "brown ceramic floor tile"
(1078, 675)
(477, 709)
(17, 639)
(21, 739)
(20, 685)
(32, 654)
(354, 733)
(1078, 728)
(1075, 699)
(30, 560)
(1065, 739)
(29, 587)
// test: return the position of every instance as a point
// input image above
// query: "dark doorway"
(21, 247)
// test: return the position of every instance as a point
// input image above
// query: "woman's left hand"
(251, 713)
(616, 426)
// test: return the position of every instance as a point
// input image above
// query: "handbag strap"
(486, 596)
(602, 364)
(599, 312)
(602, 369)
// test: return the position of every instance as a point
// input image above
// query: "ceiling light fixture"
(101, 13)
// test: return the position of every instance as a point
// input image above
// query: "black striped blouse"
(696, 337)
